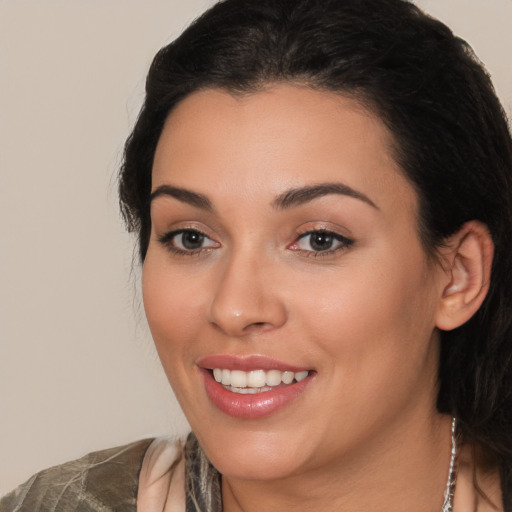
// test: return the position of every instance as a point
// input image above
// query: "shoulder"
(177, 476)
(478, 486)
(105, 481)
(162, 477)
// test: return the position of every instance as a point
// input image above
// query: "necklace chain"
(452, 473)
(212, 488)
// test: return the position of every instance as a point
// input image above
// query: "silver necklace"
(208, 485)
(449, 491)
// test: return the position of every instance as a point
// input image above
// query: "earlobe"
(467, 266)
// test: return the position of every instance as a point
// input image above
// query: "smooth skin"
(233, 270)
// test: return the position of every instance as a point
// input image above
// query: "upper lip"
(247, 363)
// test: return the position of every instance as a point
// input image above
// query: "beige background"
(77, 368)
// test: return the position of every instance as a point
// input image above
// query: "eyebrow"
(288, 199)
(302, 195)
(183, 195)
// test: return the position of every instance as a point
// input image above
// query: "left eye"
(319, 241)
(187, 240)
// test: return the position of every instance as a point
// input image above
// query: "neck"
(385, 475)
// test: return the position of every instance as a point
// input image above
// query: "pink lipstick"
(252, 387)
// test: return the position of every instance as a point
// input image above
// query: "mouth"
(256, 381)
(252, 387)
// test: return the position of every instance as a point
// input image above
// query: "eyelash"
(168, 238)
(344, 243)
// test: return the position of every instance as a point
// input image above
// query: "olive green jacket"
(103, 481)
(107, 481)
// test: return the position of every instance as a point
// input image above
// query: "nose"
(246, 299)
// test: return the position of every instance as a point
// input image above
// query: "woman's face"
(284, 246)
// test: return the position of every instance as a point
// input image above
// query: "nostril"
(256, 326)
(238, 315)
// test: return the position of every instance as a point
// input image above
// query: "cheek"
(374, 331)
(370, 316)
(171, 307)
(172, 312)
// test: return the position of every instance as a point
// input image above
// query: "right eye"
(187, 241)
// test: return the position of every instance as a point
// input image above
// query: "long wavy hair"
(451, 140)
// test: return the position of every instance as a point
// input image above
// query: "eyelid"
(344, 241)
(330, 227)
(168, 236)
(168, 229)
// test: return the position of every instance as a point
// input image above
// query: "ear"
(466, 261)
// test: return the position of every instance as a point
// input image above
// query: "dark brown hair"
(451, 140)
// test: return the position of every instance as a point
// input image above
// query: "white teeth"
(238, 379)
(255, 381)
(287, 377)
(301, 375)
(273, 378)
(226, 377)
(248, 391)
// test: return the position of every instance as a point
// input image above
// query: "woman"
(321, 193)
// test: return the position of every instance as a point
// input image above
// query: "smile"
(256, 381)
(253, 387)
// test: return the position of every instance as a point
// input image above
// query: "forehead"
(283, 137)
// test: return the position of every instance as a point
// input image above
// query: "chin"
(253, 455)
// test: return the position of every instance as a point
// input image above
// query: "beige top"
(162, 478)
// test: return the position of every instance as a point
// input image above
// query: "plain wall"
(78, 371)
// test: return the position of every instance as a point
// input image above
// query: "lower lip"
(256, 405)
